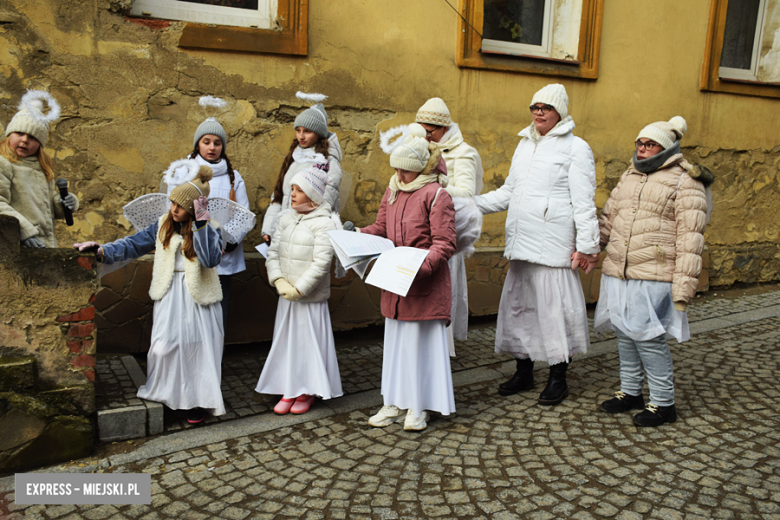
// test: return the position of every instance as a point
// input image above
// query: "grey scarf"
(651, 164)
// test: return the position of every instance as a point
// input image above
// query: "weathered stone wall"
(129, 97)
(47, 348)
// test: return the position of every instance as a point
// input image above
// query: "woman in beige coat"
(652, 228)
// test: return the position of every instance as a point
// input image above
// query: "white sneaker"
(412, 423)
(386, 416)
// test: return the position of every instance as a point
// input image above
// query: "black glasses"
(544, 109)
(429, 133)
(647, 145)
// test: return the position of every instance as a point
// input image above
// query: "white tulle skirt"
(641, 309)
(303, 353)
(184, 363)
(542, 313)
(416, 366)
(459, 325)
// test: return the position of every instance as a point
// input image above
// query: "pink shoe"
(302, 404)
(283, 406)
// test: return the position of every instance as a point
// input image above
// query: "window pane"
(240, 4)
(517, 21)
(740, 34)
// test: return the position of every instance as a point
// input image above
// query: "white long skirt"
(641, 309)
(542, 314)
(459, 326)
(184, 363)
(303, 353)
(416, 367)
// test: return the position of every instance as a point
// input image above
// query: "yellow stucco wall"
(129, 98)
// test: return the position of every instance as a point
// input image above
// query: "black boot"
(522, 380)
(556, 389)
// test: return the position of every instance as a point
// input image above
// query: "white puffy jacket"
(273, 214)
(464, 166)
(301, 252)
(550, 194)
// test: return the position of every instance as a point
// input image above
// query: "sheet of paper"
(395, 270)
(263, 249)
(360, 244)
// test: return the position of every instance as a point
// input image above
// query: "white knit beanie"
(313, 181)
(30, 118)
(554, 95)
(411, 155)
(665, 133)
(434, 112)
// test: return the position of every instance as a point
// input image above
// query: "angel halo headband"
(313, 98)
(212, 102)
(32, 102)
(181, 172)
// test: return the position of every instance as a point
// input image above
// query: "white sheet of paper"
(395, 270)
(360, 244)
(263, 249)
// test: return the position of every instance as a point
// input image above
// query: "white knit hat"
(412, 154)
(665, 133)
(434, 112)
(30, 119)
(554, 95)
(313, 181)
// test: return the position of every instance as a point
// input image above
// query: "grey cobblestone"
(505, 457)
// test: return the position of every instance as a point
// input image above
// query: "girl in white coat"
(551, 225)
(210, 148)
(302, 363)
(313, 144)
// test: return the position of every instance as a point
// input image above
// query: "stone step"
(17, 374)
(127, 417)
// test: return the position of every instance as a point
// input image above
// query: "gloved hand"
(201, 205)
(33, 243)
(286, 290)
(69, 201)
(90, 247)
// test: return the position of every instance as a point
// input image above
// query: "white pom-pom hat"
(413, 153)
(31, 118)
(665, 133)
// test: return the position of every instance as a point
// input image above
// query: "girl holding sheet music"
(417, 212)
(302, 363)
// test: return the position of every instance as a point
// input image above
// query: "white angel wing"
(468, 224)
(236, 220)
(146, 210)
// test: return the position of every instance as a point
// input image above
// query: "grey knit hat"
(210, 127)
(315, 119)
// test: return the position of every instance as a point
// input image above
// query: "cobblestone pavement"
(497, 457)
(361, 365)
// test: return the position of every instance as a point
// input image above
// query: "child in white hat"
(302, 363)
(313, 144)
(184, 359)
(27, 189)
(416, 211)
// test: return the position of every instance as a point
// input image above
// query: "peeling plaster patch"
(64, 153)
(128, 159)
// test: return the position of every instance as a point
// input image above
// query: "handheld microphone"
(349, 226)
(62, 185)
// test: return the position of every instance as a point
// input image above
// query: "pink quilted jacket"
(652, 227)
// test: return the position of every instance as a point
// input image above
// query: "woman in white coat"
(551, 222)
(464, 171)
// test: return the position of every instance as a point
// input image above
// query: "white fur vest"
(202, 283)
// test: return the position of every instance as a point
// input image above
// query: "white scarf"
(308, 155)
(421, 180)
(219, 168)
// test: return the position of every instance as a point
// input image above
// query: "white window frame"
(524, 49)
(750, 74)
(263, 18)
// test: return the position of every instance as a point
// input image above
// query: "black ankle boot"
(556, 389)
(522, 380)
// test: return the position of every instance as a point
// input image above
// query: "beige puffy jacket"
(652, 228)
